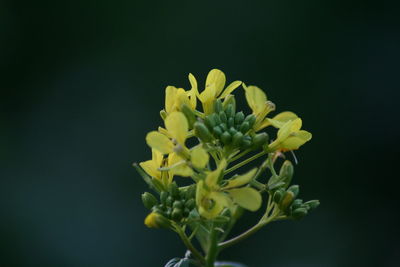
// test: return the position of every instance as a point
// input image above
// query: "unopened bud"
(163, 114)
(295, 189)
(287, 200)
(201, 131)
(218, 106)
(239, 118)
(286, 173)
(226, 138)
(189, 114)
(299, 213)
(149, 201)
(155, 220)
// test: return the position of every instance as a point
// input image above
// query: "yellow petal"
(159, 142)
(193, 83)
(151, 168)
(213, 177)
(256, 98)
(295, 140)
(229, 89)
(241, 179)
(177, 126)
(217, 78)
(170, 96)
(180, 99)
(220, 201)
(178, 166)
(296, 126)
(279, 120)
(199, 157)
(200, 192)
(246, 197)
(157, 157)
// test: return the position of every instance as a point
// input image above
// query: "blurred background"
(82, 83)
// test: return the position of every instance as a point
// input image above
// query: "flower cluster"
(223, 140)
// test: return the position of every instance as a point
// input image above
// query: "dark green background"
(82, 83)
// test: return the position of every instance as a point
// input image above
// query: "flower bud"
(217, 131)
(299, 213)
(232, 131)
(239, 118)
(190, 204)
(297, 204)
(226, 138)
(189, 114)
(177, 204)
(295, 189)
(229, 101)
(251, 119)
(223, 126)
(287, 200)
(210, 121)
(230, 111)
(149, 201)
(222, 117)
(237, 139)
(169, 201)
(231, 122)
(260, 140)
(244, 127)
(201, 131)
(218, 106)
(155, 220)
(312, 204)
(174, 190)
(278, 195)
(176, 214)
(163, 197)
(163, 114)
(286, 173)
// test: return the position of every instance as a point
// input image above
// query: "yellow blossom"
(259, 104)
(211, 198)
(214, 89)
(176, 97)
(290, 137)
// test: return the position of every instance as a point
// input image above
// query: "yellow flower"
(211, 198)
(214, 89)
(151, 166)
(176, 97)
(290, 137)
(259, 104)
(177, 131)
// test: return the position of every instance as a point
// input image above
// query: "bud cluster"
(286, 197)
(229, 128)
(175, 204)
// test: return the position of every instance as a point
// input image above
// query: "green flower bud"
(231, 122)
(169, 201)
(186, 212)
(149, 201)
(174, 190)
(190, 192)
(163, 114)
(239, 118)
(287, 200)
(299, 213)
(230, 111)
(223, 117)
(244, 127)
(226, 138)
(216, 119)
(223, 126)
(202, 132)
(190, 204)
(210, 121)
(295, 189)
(286, 173)
(176, 214)
(278, 195)
(163, 197)
(312, 204)
(297, 204)
(232, 131)
(229, 101)
(218, 106)
(189, 114)
(217, 131)
(260, 140)
(237, 139)
(177, 204)
(251, 119)
(246, 143)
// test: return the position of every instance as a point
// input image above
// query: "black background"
(82, 83)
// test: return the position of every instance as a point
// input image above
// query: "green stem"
(189, 245)
(248, 160)
(213, 248)
(240, 155)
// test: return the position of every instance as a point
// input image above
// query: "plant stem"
(248, 160)
(188, 244)
(213, 248)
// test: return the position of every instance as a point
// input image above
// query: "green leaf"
(246, 197)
